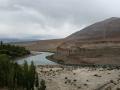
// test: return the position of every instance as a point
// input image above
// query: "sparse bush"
(87, 80)
(74, 84)
(51, 70)
(79, 87)
(65, 82)
(69, 81)
(85, 85)
(117, 88)
(42, 85)
(111, 81)
(74, 73)
(66, 78)
(97, 75)
(74, 80)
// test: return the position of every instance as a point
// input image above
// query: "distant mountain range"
(8, 40)
(15, 40)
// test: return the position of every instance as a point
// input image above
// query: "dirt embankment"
(42, 45)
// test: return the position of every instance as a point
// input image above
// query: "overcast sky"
(46, 19)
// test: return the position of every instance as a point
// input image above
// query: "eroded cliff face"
(104, 52)
(96, 44)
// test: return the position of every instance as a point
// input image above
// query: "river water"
(39, 59)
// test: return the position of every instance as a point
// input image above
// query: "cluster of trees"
(13, 51)
(14, 76)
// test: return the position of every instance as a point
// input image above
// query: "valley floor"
(71, 78)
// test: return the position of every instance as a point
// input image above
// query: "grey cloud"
(52, 18)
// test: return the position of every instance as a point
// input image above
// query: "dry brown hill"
(42, 45)
(98, 43)
(107, 29)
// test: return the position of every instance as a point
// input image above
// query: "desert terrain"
(41, 45)
(79, 78)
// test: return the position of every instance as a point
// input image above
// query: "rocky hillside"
(107, 29)
(98, 43)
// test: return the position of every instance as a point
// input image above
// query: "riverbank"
(59, 77)
(54, 60)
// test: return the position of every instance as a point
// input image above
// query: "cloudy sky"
(46, 19)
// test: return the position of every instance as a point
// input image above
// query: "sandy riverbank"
(70, 78)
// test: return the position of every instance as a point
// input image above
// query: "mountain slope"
(107, 29)
(96, 44)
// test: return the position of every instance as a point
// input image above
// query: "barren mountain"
(107, 29)
(98, 43)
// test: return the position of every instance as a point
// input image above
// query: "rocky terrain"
(78, 78)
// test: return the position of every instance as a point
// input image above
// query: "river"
(39, 59)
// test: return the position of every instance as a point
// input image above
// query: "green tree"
(1, 43)
(25, 75)
(12, 75)
(4, 69)
(36, 80)
(32, 73)
(42, 85)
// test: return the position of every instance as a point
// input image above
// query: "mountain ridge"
(97, 30)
